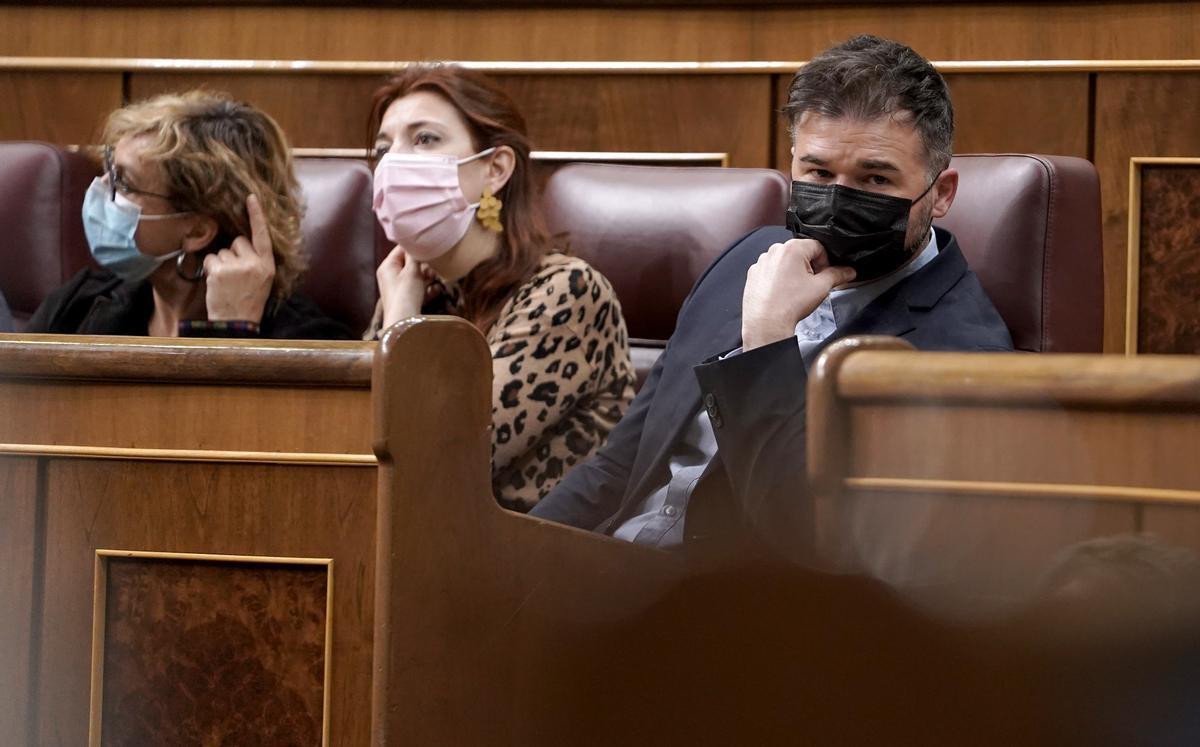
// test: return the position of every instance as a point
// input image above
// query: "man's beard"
(922, 238)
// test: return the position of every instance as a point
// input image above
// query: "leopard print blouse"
(561, 375)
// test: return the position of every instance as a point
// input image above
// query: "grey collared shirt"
(659, 519)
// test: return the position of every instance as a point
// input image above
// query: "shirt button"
(710, 400)
(670, 510)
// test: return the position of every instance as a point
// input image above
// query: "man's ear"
(201, 232)
(943, 192)
(500, 168)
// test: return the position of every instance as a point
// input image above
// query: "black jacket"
(6, 320)
(756, 400)
(97, 302)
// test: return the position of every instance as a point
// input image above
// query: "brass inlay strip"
(188, 455)
(561, 67)
(591, 156)
(208, 556)
(1133, 257)
(1112, 493)
(100, 601)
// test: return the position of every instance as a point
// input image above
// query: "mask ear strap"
(935, 178)
(480, 154)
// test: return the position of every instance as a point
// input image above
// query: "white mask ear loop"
(480, 154)
(468, 159)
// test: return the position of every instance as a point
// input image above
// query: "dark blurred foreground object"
(6, 320)
(776, 655)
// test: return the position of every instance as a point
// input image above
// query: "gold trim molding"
(1106, 493)
(561, 67)
(1133, 243)
(189, 455)
(99, 606)
(681, 158)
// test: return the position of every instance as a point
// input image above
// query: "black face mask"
(862, 230)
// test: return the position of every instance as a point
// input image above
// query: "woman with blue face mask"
(195, 224)
(454, 194)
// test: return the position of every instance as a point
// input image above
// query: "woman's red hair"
(493, 120)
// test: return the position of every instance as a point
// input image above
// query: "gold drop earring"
(488, 212)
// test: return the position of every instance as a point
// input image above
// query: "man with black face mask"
(717, 434)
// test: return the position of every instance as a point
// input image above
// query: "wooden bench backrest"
(970, 471)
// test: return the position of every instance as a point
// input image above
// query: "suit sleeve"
(593, 491)
(756, 403)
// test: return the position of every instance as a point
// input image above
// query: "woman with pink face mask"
(454, 192)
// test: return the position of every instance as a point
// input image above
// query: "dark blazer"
(755, 400)
(97, 302)
(6, 320)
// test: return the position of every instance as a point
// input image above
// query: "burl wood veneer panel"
(1137, 114)
(201, 652)
(282, 511)
(67, 108)
(1169, 260)
(18, 551)
(688, 113)
(999, 113)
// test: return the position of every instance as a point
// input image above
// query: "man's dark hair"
(867, 77)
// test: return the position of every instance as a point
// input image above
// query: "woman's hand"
(402, 286)
(239, 278)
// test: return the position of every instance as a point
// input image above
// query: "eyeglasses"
(117, 183)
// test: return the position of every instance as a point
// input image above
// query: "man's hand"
(240, 277)
(785, 285)
(402, 286)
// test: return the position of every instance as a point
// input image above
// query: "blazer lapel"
(892, 313)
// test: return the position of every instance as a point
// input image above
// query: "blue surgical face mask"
(110, 223)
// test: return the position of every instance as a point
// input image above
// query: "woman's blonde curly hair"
(214, 152)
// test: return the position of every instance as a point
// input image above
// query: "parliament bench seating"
(410, 597)
(1029, 225)
(179, 518)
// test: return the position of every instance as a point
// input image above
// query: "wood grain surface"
(1136, 115)
(264, 510)
(20, 558)
(58, 107)
(958, 473)
(210, 652)
(981, 31)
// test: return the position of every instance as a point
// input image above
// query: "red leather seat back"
(1030, 228)
(653, 230)
(340, 238)
(43, 245)
(41, 228)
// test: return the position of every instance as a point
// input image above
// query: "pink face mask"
(420, 204)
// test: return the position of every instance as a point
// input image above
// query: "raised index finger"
(260, 232)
